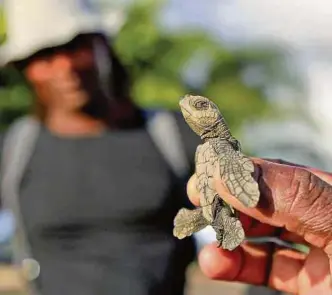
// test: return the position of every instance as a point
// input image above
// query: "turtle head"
(203, 116)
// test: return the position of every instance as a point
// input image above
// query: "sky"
(299, 23)
(302, 24)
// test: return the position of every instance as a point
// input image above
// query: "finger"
(315, 274)
(292, 237)
(237, 265)
(326, 176)
(259, 229)
(291, 197)
(328, 251)
(286, 267)
(255, 228)
(279, 161)
(192, 192)
(194, 195)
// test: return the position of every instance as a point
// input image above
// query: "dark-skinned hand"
(295, 205)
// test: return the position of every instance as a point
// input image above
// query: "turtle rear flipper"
(236, 172)
(228, 228)
(187, 222)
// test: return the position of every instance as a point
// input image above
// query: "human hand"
(295, 205)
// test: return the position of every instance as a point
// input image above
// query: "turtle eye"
(201, 105)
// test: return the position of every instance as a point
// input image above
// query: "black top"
(99, 214)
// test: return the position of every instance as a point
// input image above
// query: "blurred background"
(268, 66)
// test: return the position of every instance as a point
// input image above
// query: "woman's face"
(65, 77)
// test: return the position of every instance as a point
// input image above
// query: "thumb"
(292, 197)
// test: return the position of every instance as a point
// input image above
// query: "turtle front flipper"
(187, 222)
(228, 228)
(236, 173)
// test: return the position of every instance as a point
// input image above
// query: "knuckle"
(311, 203)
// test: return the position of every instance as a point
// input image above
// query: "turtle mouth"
(185, 109)
(182, 103)
(186, 112)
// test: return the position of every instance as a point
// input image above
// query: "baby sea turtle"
(219, 150)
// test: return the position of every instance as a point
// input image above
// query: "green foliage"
(157, 61)
(3, 24)
(15, 99)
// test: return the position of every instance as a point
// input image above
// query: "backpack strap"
(165, 133)
(19, 144)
